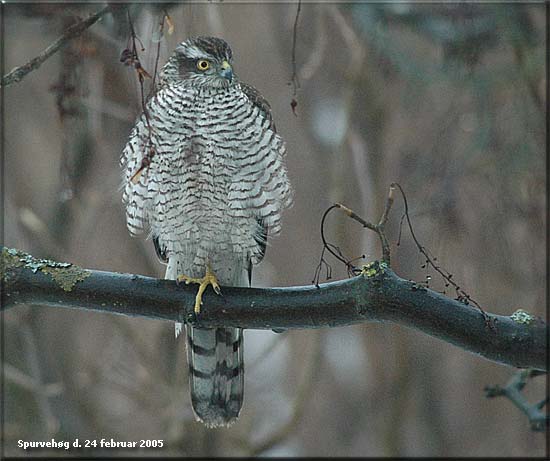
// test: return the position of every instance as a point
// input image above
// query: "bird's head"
(204, 61)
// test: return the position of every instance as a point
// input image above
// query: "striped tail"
(216, 374)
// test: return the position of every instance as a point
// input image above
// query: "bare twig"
(337, 253)
(17, 74)
(539, 419)
(462, 296)
(130, 56)
(295, 82)
(378, 228)
(377, 295)
(333, 249)
(318, 50)
(166, 18)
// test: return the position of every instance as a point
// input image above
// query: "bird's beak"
(227, 71)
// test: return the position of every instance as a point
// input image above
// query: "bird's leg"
(208, 279)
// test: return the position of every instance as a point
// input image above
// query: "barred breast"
(216, 184)
(218, 168)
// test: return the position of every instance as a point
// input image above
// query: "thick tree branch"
(17, 74)
(377, 295)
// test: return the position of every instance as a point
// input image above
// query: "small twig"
(538, 419)
(331, 248)
(337, 253)
(322, 263)
(378, 228)
(318, 50)
(295, 81)
(387, 208)
(462, 296)
(17, 74)
(131, 57)
(157, 57)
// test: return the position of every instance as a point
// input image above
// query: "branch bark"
(377, 295)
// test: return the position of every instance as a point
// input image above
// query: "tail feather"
(216, 373)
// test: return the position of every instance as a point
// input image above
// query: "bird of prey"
(214, 189)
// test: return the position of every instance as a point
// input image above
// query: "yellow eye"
(203, 64)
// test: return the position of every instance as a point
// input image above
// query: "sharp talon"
(208, 279)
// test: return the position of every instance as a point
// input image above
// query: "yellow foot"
(208, 279)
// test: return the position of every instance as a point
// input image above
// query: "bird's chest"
(200, 140)
(205, 138)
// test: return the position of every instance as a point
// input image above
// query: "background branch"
(538, 418)
(377, 295)
(304, 394)
(17, 74)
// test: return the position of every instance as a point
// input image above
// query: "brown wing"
(259, 101)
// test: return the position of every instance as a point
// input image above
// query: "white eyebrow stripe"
(192, 52)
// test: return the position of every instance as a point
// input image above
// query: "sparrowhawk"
(214, 187)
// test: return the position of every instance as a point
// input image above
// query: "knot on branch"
(374, 269)
(522, 317)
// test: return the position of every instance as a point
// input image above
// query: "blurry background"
(446, 99)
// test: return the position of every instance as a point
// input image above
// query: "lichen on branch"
(66, 275)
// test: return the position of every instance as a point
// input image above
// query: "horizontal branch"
(377, 295)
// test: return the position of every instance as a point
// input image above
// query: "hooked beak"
(227, 71)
